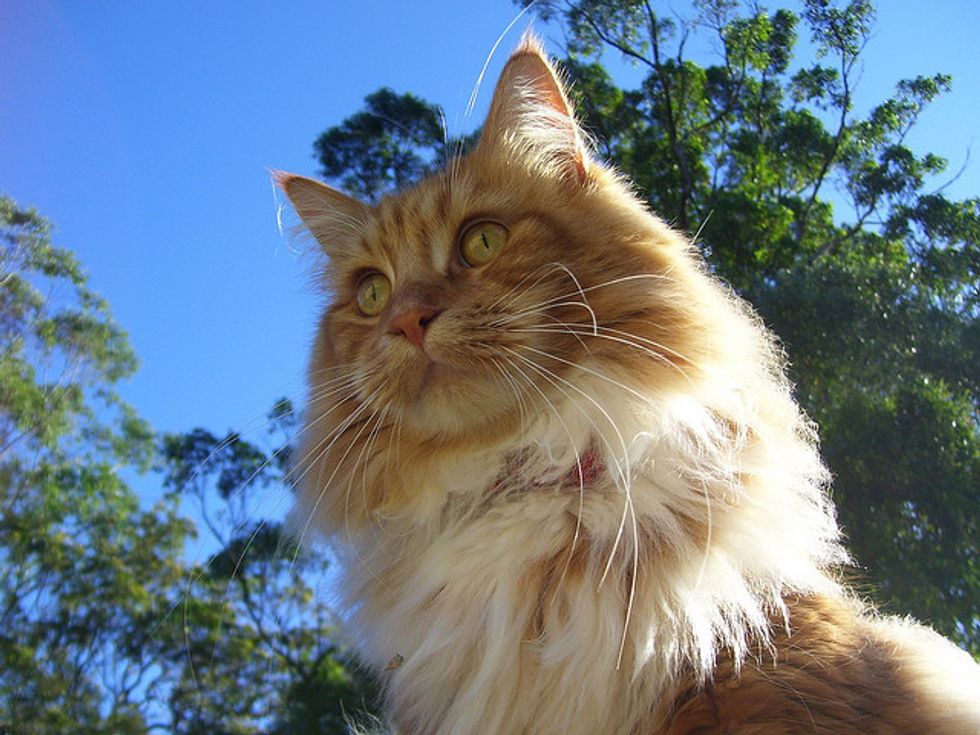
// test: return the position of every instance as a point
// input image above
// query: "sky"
(146, 130)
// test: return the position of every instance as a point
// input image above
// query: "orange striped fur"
(691, 585)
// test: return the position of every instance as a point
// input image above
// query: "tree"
(84, 564)
(395, 140)
(105, 626)
(260, 651)
(824, 220)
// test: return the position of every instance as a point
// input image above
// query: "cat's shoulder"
(835, 669)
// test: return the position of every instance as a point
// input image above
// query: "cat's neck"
(642, 568)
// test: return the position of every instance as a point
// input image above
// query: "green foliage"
(391, 142)
(395, 140)
(824, 219)
(258, 650)
(82, 561)
(105, 626)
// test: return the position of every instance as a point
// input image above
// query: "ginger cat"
(565, 471)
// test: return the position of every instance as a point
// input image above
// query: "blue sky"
(144, 130)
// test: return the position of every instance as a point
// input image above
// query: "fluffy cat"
(565, 472)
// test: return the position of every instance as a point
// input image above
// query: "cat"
(564, 470)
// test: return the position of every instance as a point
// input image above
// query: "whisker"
(553, 302)
(493, 49)
(552, 376)
(334, 367)
(580, 291)
(588, 370)
(581, 477)
(325, 445)
(708, 531)
(517, 315)
(323, 389)
(653, 343)
(701, 227)
(523, 420)
(631, 277)
(551, 268)
(632, 595)
(194, 578)
(367, 451)
(393, 434)
(578, 286)
(571, 329)
(350, 395)
(628, 509)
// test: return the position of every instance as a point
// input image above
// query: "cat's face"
(475, 297)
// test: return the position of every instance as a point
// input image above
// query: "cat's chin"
(432, 374)
(437, 399)
(416, 380)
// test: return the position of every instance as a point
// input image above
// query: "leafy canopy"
(105, 624)
(83, 563)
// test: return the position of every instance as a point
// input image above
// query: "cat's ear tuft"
(531, 118)
(332, 217)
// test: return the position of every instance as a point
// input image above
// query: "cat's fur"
(684, 579)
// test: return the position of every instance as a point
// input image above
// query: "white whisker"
(581, 477)
(628, 509)
(349, 395)
(523, 420)
(242, 524)
(709, 526)
(367, 452)
(518, 315)
(554, 302)
(493, 49)
(588, 370)
(500, 302)
(392, 437)
(325, 445)
(570, 329)
(580, 291)
(252, 426)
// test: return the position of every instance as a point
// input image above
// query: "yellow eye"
(373, 293)
(482, 242)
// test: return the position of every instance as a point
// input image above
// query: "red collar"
(588, 470)
(585, 473)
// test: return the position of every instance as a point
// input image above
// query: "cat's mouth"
(437, 368)
(426, 379)
(432, 372)
(423, 372)
(437, 395)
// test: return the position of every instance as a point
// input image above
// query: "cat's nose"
(412, 322)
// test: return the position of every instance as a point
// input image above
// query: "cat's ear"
(332, 217)
(531, 118)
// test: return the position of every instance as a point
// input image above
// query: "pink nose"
(412, 323)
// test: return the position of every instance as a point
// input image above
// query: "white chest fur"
(482, 650)
(558, 610)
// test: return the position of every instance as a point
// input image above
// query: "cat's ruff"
(604, 513)
(691, 599)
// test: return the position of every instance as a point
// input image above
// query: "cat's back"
(837, 672)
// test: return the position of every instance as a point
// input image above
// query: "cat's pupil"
(483, 236)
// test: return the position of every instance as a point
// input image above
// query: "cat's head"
(479, 292)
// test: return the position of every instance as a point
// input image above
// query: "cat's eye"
(373, 293)
(482, 242)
